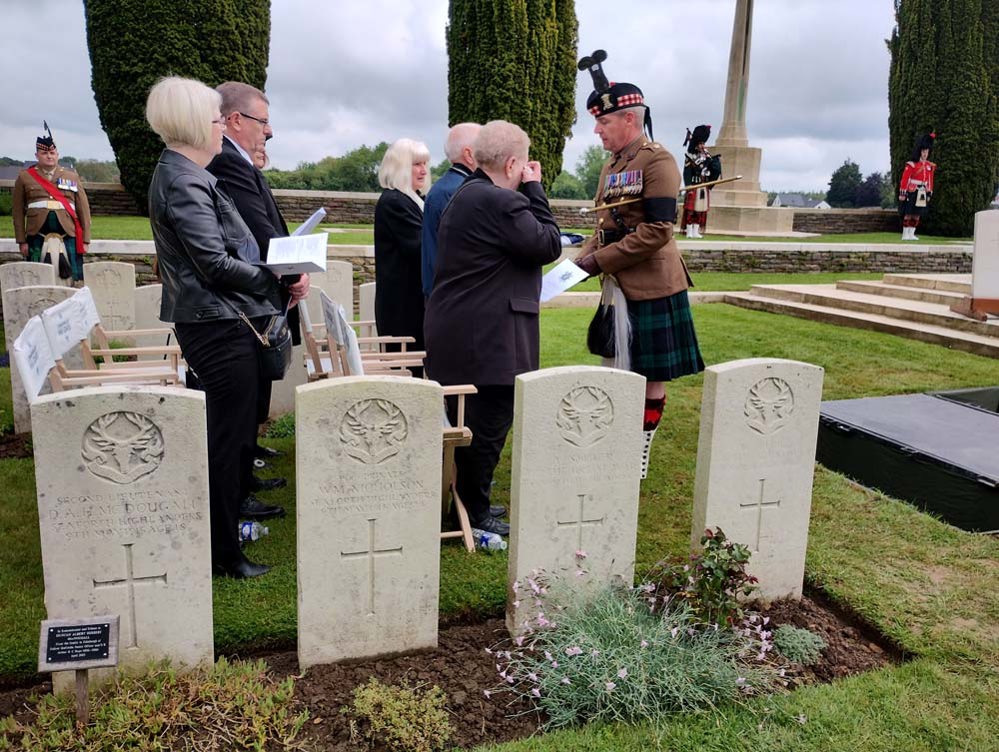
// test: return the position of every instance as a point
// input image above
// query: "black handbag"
(275, 345)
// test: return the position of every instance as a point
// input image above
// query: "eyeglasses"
(220, 122)
(262, 121)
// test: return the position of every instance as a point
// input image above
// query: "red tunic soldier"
(916, 186)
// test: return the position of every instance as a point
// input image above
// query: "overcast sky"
(344, 73)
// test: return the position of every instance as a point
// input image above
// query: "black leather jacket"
(201, 243)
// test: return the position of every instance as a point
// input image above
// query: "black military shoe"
(497, 511)
(240, 570)
(267, 484)
(252, 508)
(491, 525)
(266, 452)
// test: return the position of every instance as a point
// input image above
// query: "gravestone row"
(123, 499)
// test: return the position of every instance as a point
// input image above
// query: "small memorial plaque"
(77, 644)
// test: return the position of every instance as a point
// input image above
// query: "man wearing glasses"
(245, 110)
(51, 205)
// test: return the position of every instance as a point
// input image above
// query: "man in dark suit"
(481, 323)
(246, 112)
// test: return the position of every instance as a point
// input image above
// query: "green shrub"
(214, 708)
(798, 645)
(402, 718)
(616, 654)
(6, 203)
(712, 582)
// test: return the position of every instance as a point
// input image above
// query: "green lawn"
(737, 281)
(137, 228)
(931, 588)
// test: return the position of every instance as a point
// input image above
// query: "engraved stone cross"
(129, 582)
(580, 521)
(758, 505)
(370, 555)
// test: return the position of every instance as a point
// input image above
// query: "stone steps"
(930, 314)
(960, 283)
(921, 294)
(978, 344)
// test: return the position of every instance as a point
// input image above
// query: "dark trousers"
(224, 356)
(489, 414)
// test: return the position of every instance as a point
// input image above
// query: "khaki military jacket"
(646, 261)
(28, 220)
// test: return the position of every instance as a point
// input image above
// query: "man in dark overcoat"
(481, 324)
(247, 116)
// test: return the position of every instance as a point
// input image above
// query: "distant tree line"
(90, 170)
(581, 184)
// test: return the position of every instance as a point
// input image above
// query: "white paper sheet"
(311, 223)
(561, 278)
(298, 254)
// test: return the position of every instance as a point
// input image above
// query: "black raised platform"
(938, 451)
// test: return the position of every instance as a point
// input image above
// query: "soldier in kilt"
(916, 187)
(698, 167)
(634, 247)
(51, 211)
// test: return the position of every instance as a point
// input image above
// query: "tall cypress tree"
(943, 77)
(515, 60)
(133, 43)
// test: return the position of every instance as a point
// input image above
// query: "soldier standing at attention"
(634, 246)
(916, 187)
(698, 167)
(53, 201)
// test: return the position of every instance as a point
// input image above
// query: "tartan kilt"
(663, 340)
(909, 208)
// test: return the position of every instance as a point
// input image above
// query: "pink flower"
(573, 651)
(594, 653)
(516, 604)
(674, 632)
(509, 680)
(580, 572)
(581, 554)
(644, 643)
(741, 681)
(548, 656)
(622, 674)
(611, 686)
(542, 621)
(536, 692)
(518, 640)
(516, 585)
(554, 664)
(532, 676)
(487, 693)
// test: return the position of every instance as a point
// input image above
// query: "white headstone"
(755, 462)
(24, 274)
(21, 304)
(283, 391)
(147, 316)
(368, 462)
(985, 261)
(337, 282)
(577, 442)
(367, 295)
(112, 284)
(122, 479)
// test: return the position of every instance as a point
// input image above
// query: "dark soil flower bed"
(465, 671)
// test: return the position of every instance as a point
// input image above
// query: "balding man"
(481, 323)
(458, 149)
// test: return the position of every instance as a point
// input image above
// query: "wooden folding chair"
(455, 436)
(96, 333)
(36, 364)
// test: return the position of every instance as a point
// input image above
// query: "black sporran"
(600, 335)
(275, 345)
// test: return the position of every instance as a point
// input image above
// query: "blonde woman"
(405, 176)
